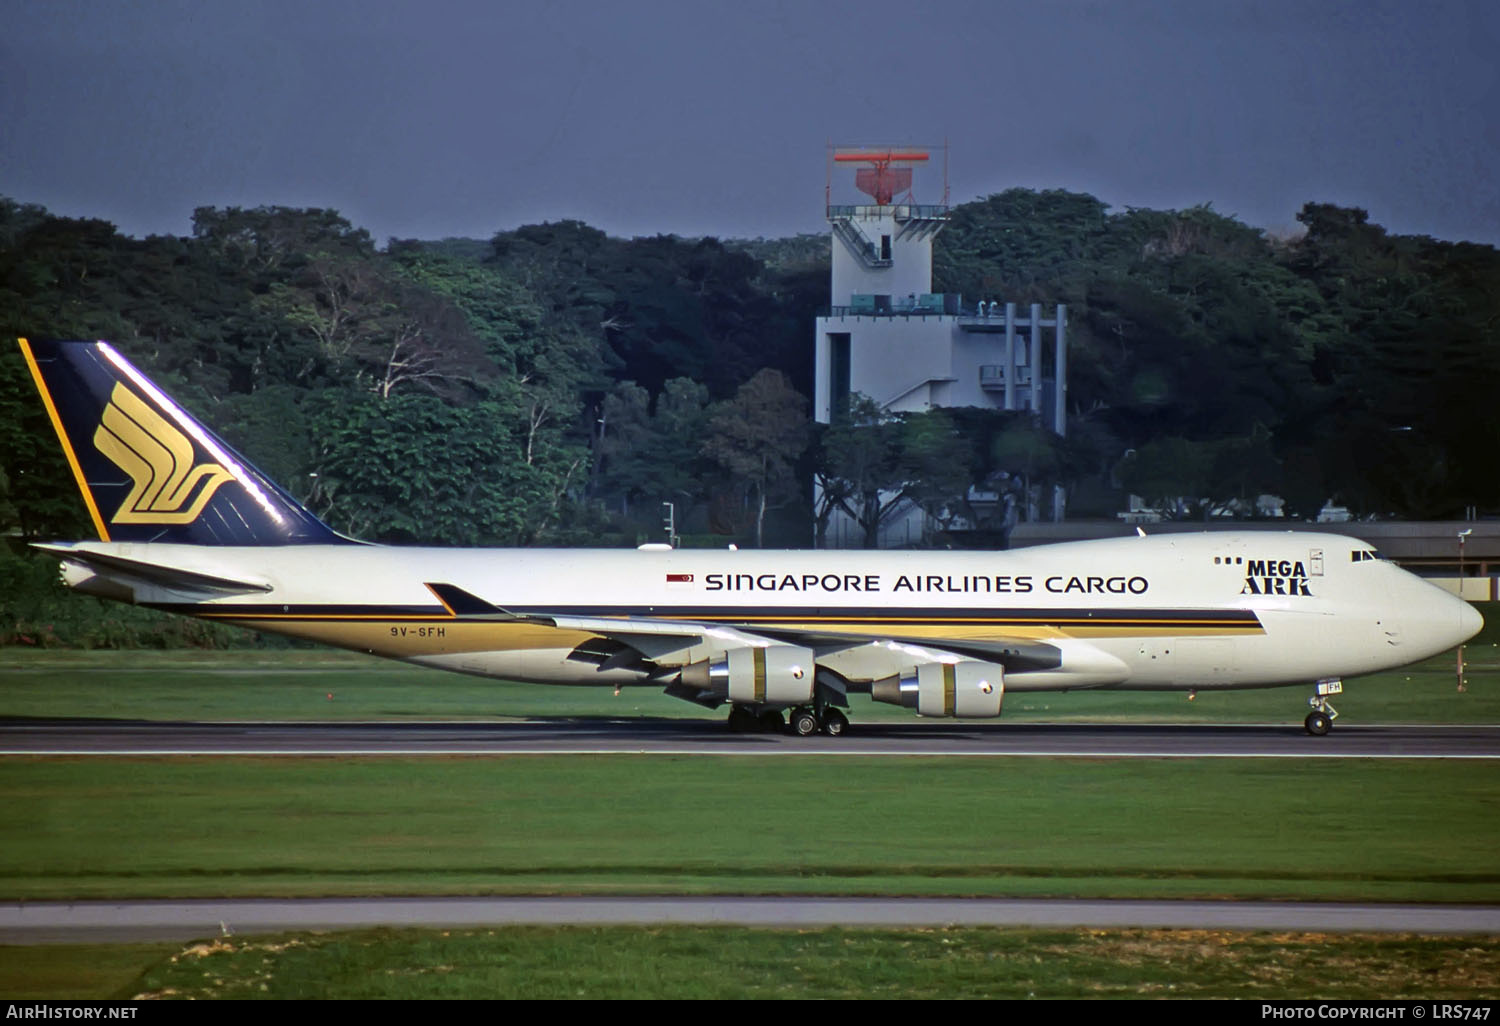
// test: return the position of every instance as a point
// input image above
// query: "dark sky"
(461, 117)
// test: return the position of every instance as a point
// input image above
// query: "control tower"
(888, 336)
(882, 254)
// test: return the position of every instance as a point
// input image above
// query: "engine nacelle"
(967, 689)
(774, 675)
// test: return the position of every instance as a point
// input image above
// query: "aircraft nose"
(1431, 620)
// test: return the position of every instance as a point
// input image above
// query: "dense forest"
(555, 386)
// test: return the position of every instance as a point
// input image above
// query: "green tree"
(1030, 454)
(653, 455)
(1166, 471)
(939, 467)
(414, 468)
(38, 494)
(861, 469)
(757, 438)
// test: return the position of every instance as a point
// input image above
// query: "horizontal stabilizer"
(151, 573)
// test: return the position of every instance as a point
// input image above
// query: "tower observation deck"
(882, 248)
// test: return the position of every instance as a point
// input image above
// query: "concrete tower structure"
(888, 336)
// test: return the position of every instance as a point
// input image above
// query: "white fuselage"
(1215, 610)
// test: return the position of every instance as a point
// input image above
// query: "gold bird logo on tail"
(159, 459)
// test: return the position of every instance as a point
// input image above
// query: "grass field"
(1324, 829)
(326, 685)
(707, 962)
(1329, 829)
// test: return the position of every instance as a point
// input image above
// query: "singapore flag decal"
(679, 582)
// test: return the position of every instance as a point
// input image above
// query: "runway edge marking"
(760, 753)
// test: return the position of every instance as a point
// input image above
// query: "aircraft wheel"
(741, 720)
(771, 722)
(804, 722)
(834, 723)
(1317, 723)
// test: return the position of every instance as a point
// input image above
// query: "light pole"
(1461, 569)
(669, 522)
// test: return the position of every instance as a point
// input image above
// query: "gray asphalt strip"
(75, 922)
(573, 737)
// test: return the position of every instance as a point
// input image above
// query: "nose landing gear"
(1320, 720)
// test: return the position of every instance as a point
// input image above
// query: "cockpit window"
(1360, 555)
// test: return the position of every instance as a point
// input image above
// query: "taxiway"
(580, 736)
(122, 921)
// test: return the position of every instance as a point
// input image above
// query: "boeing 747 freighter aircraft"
(187, 525)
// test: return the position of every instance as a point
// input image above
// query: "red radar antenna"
(888, 172)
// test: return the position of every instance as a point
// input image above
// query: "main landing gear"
(1320, 720)
(805, 721)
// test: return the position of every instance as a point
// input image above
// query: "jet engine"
(967, 689)
(773, 675)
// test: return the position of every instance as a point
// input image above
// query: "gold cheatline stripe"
(41, 386)
(1203, 624)
(275, 621)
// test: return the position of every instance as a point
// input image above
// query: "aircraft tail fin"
(148, 470)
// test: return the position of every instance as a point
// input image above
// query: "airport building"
(886, 335)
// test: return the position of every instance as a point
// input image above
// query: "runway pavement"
(712, 737)
(77, 922)
(120, 921)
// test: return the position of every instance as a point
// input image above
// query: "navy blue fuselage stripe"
(1239, 618)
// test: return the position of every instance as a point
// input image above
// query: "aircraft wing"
(654, 639)
(651, 639)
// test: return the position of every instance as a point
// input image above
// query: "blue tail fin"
(148, 470)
